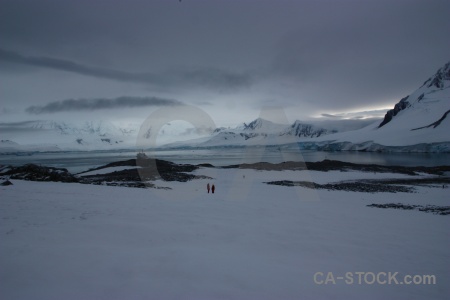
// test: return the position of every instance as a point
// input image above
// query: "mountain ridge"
(417, 123)
(416, 120)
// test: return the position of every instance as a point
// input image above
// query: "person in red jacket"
(213, 188)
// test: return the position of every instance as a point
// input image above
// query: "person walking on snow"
(213, 188)
(207, 187)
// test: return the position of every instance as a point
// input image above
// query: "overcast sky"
(86, 59)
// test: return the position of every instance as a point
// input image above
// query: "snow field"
(247, 241)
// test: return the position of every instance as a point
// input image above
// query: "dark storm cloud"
(204, 77)
(96, 104)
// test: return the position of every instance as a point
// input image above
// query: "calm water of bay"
(80, 161)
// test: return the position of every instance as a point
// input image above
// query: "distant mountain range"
(417, 123)
(57, 136)
(257, 132)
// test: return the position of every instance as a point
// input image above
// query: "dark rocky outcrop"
(305, 130)
(401, 105)
(438, 79)
(40, 173)
(358, 186)
(150, 169)
(335, 165)
(434, 124)
(404, 185)
(438, 210)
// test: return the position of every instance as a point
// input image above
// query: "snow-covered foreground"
(247, 241)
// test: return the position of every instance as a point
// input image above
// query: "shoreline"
(144, 172)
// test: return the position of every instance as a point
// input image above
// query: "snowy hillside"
(419, 122)
(59, 135)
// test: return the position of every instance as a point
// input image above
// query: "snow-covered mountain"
(418, 122)
(301, 129)
(262, 126)
(60, 135)
(93, 128)
(257, 132)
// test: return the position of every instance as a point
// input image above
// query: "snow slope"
(247, 241)
(420, 118)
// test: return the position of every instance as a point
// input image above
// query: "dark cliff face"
(393, 112)
(437, 81)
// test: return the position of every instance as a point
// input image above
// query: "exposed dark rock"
(247, 136)
(434, 124)
(129, 162)
(148, 170)
(370, 185)
(40, 173)
(438, 210)
(6, 183)
(401, 105)
(330, 165)
(438, 79)
(413, 181)
(420, 97)
(205, 165)
(305, 130)
(347, 186)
